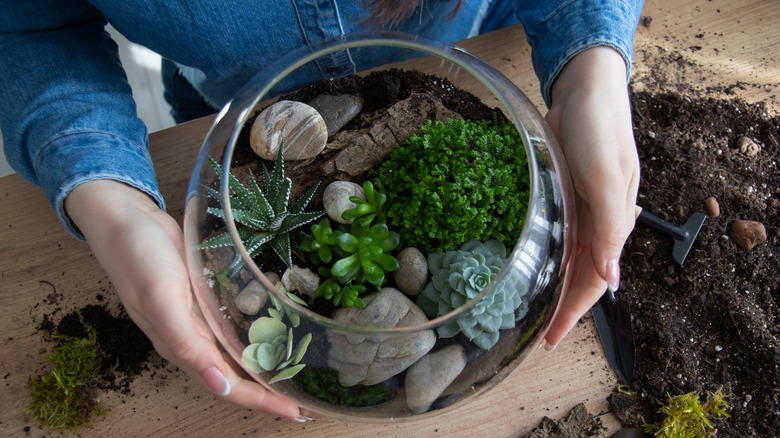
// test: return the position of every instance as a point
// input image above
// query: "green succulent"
(366, 252)
(279, 311)
(344, 295)
(370, 209)
(350, 257)
(271, 349)
(457, 278)
(263, 218)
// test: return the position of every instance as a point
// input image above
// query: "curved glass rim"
(292, 61)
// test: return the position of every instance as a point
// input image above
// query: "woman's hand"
(141, 249)
(591, 116)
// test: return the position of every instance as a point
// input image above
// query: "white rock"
(252, 298)
(296, 125)
(412, 275)
(302, 280)
(335, 199)
(427, 379)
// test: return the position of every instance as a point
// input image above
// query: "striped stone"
(296, 125)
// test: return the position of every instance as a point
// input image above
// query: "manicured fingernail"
(216, 381)
(613, 275)
(302, 419)
(550, 347)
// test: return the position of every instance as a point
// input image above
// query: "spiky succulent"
(457, 278)
(263, 219)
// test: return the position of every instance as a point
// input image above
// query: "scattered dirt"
(712, 322)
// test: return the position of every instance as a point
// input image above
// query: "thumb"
(611, 229)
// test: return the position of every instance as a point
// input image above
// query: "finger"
(586, 288)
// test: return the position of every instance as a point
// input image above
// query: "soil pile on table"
(712, 322)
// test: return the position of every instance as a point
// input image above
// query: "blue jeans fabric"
(67, 111)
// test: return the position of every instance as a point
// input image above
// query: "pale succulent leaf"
(267, 357)
(300, 349)
(249, 358)
(287, 373)
(265, 330)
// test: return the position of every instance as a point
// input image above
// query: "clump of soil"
(712, 322)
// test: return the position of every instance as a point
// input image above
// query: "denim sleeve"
(559, 30)
(67, 111)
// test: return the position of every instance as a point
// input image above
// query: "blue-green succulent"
(460, 276)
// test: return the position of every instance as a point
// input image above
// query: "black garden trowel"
(613, 316)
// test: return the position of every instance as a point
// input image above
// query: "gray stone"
(369, 360)
(427, 379)
(297, 126)
(302, 280)
(412, 276)
(337, 110)
(252, 298)
(335, 199)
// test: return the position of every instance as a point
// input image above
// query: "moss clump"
(62, 398)
(324, 385)
(457, 181)
(687, 417)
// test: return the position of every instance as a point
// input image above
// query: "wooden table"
(44, 271)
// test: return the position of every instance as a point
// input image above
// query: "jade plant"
(351, 257)
(263, 219)
(459, 277)
(457, 181)
(369, 210)
(271, 345)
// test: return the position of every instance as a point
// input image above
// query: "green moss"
(685, 416)
(457, 181)
(62, 398)
(324, 385)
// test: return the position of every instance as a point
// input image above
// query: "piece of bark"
(578, 424)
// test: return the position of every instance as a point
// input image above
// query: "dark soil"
(713, 321)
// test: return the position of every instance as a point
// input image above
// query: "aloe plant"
(264, 219)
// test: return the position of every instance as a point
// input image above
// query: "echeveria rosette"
(460, 276)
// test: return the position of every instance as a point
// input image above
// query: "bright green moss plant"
(262, 219)
(62, 398)
(457, 181)
(685, 416)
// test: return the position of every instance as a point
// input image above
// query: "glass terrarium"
(379, 227)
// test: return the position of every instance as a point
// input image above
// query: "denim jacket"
(66, 108)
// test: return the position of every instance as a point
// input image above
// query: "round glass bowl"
(405, 354)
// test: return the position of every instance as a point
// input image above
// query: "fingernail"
(302, 419)
(549, 347)
(216, 381)
(613, 275)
